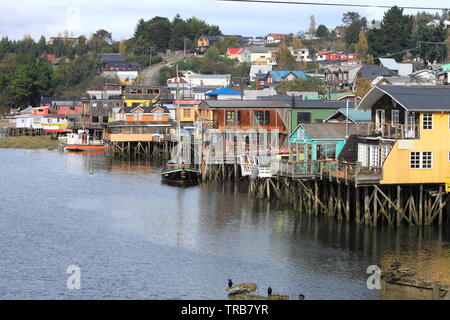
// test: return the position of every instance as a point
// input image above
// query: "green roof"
(446, 67)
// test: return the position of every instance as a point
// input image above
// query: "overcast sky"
(48, 17)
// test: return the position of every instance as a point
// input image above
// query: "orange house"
(138, 124)
(143, 114)
(246, 114)
(39, 111)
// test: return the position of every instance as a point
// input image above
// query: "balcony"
(388, 130)
(328, 169)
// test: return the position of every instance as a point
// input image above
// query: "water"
(136, 238)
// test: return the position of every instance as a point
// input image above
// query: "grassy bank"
(29, 142)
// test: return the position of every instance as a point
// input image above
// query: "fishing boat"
(82, 141)
(180, 174)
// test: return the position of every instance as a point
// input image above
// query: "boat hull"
(80, 147)
(180, 175)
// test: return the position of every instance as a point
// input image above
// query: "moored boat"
(180, 174)
(82, 141)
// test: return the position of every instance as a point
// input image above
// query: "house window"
(421, 160)
(395, 117)
(449, 156)
(263, 117)
(233, 117)
(326, 151)
(187, 113)
(427, 121)
(304, 117)
(137, 116)
(427, 160)
(157, 116)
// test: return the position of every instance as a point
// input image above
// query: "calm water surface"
(136, 238)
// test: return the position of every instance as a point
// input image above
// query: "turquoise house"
(320, 141)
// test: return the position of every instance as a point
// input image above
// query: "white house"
(208, 80)
(28, 121)
(256, 68)
(301, 54)
(275, 37)
(437, 22)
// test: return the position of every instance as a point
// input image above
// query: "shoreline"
(29, 142)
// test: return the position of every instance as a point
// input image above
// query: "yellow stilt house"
(409, 136)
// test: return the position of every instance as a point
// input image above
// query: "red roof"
(278, 36)
(233, 51)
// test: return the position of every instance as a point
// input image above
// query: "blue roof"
(279, 75)
(223, 91)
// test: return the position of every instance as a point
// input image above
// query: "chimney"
(293, 101)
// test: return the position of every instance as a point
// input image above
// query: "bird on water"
(395, 265)
(269, 291)
(230, 283)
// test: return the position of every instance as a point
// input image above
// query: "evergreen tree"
(394, 35)
(354, 23)
(322, 31)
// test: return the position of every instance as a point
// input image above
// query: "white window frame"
(157, 116)
(429, 122)
(395, 114)
(137, 116)
(421, 159)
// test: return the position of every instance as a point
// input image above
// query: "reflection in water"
(135, 237)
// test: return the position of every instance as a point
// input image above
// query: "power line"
(333, 4)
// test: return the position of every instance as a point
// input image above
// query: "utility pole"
(184, 48)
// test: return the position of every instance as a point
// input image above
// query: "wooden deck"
(330, 169)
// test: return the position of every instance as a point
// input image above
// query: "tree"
(354, 23)
(104, 35)
(362, 87)
(362, 48)
(81, 47)
(178, 34)
(431, 52)
(212, 54)
(312, 26)
(123, 47)
(285, 60)
(322, 31)
(227, 42)
(310, 84)
(393, 37)
(42, 45)
(297, 43)
(28, 82)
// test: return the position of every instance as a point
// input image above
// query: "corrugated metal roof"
(279, 75)
(354, 115)
(370, 72)
(412, 98)
(223, 91)
(391, 64)
(112, 57)
(328, 131)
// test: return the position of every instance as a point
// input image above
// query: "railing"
(388, 130)
(293, 169)
(327, 169)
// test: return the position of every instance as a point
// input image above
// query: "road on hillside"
(151, 74)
